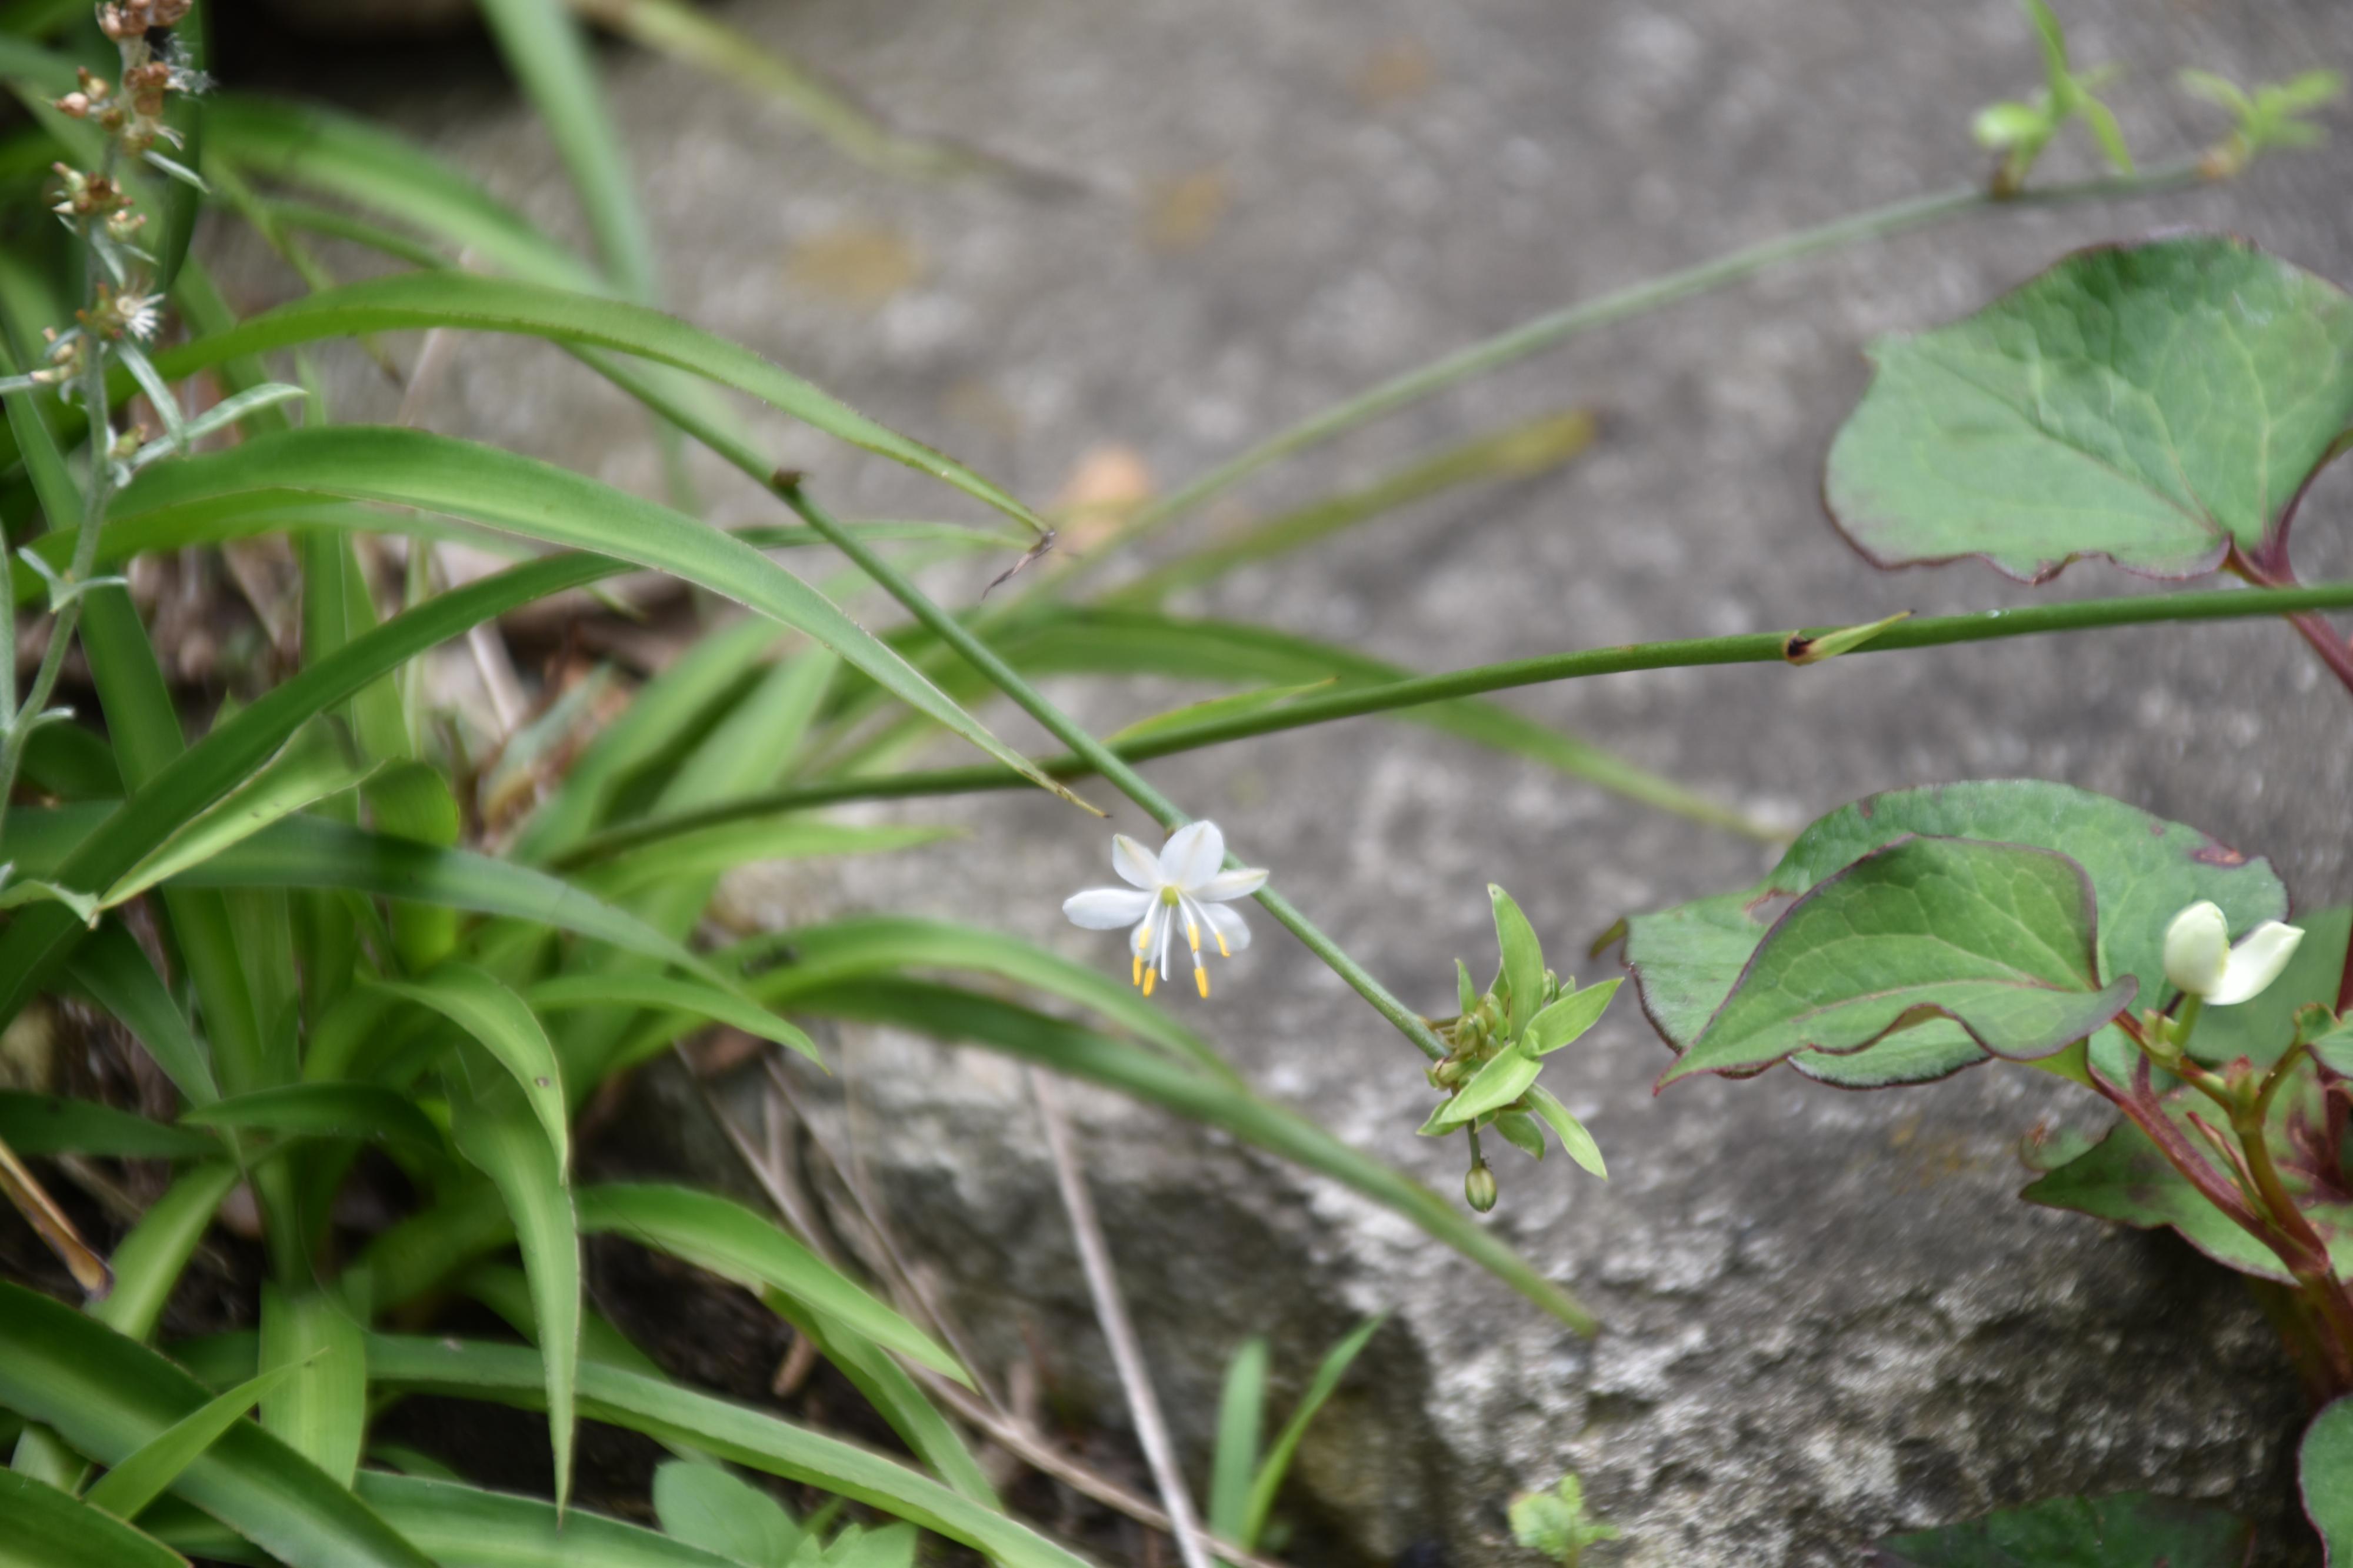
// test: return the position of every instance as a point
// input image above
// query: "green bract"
(1496, 1045)
(1688, 959)
(2161, 404)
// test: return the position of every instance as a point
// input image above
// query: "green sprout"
(2021, 131)
(1557, 1524)
(2273, 117)
(1496, 1046)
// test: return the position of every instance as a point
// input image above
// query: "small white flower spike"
(2200, 961)
(1181, 884)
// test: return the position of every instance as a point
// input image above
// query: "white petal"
(1106, 908)
(1229, 925)
(2255, 962)
(1134, 863)
(1193, 854)
(2197, 949)
(1230, 885)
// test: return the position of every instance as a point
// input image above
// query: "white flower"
(137, 313)
(2199, 959)
(1181, 883)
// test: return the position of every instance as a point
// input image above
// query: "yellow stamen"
(1136, 979)
(1149, 976)
(1193, 934)
(1201, 978)
(1222, 953)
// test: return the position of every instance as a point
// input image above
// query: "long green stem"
(1097, 757)
(1558, 326)
(1754, 648)
(25, 718)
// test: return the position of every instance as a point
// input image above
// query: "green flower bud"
(1478, 1187)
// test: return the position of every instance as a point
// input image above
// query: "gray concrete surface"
(1828, 1316)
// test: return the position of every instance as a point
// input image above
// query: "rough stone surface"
(1828, 1316)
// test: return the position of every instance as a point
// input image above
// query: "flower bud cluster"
(126, 21)
(82, 196)
(121, 314)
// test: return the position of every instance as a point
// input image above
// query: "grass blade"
(498, 1134)
(343, 155)
(503, 1024)
(472, 302)
(322, 1413)
(1242, 1421)
(717, 1426)
(334, 1110)
(965, 1017)
(1269, 1480)
(113, 969)
(107, 1395)
(51, 1529)
(711, 1508)
(466, 1527)
(548, 56)
(312, 852)
(730, 1240)
(637, 989)
(887, 1387)
(1520, 452)
(149, 1261)
(144, 1473)
(537, 500)
(314, 767)
(41, 1124)
(878, 945)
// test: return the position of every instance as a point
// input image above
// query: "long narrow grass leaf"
(472, 302)
(504, 1025)
(727, 1430)
(637, 989)
(496, 1132)
(967, 1017)
(1328, 1374)
(538, 501)
(50, 1528)
(466, 1527)
(107, 1395)
(144, 1475)
(114, 970)
(148, 1262)
(730, 1240)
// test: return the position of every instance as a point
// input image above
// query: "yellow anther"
(1201, 978)
(1149, 976)
(1222, 951)
(1193, 935)
(1137, 977)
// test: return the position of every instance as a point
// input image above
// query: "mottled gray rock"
(1828, 1316)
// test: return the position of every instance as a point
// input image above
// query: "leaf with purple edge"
(2143, 869)
(2159, 405)
(1997, 937)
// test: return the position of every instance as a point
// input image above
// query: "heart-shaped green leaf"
(1997, 937)
(2143, 871)
(2326, 1470)
(2156, 404)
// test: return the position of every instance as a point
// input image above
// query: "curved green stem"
(1094, 756)
(1755, 647)
(1622, 304)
